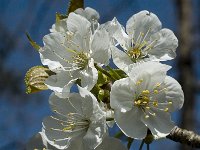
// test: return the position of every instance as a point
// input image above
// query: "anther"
(155, 104)
(170, 103)
(158, 84)
(145, 92)
(166, 109)
(147, 107)
(155, 91)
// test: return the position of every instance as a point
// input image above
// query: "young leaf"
(35, 78)
(75, 4)
(33, 43)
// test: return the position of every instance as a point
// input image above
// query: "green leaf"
(33, 43)
(35, 78)
(75, 4)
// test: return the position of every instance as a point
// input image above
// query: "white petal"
(110, 143)
(51, 126)
(54, 53)
(165, 46)
(78, 43)
(61, 83)
(120, 59)
(121, 95)
(95, 134)
(174, 93)
(149, 67)
(100, 46)
(38, 142)
(89, 76)
(116, 30)
(89, 102)
(60, 26)
(130, 123)
(76, 143)
(160, 124)
(88, 13)
(141, 23)
(56, 143)
(120, 35)
(111, 26)
(77, 23)
(61, 105)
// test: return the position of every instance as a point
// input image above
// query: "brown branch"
(185, 137)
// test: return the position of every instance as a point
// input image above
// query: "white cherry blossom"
(145, 99)
(79, 122)
(72, 54)
(144, 39)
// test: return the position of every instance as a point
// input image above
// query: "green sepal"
(33, 43)
(75, 4)
(102, 79)
(60, 17)
(35, 78)
(117, 72)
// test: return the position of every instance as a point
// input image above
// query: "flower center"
(143, 99)
(80, 60)
(75, 122)
(135, 53)
(139, 48)
(147, 100)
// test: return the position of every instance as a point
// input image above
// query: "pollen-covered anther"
(158, 84)
(139, 82)
(155, 92)
(146, 116)
(80, 59)
(147, 107)
(166, 109)
(170, 102)
(70, 127)
(155, 103)
(145, 92)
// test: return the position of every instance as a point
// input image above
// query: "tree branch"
(185, 137)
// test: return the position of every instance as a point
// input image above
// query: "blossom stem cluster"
(138, 96)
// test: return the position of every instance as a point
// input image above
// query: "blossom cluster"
(138, 96)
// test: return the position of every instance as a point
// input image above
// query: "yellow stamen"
(155, 91)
